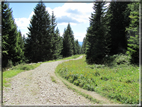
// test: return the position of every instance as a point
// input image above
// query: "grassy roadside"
(25, 67)
(16, 70)
(71, 86)
(117, 81)
(71, 57)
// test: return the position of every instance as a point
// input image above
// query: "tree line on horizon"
(43, 42)
(113, 30)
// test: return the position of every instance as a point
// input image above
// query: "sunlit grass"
(66, 58)
(15, 70)
(53, 79)
(119, 82)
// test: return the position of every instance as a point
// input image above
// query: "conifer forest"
(43, 43)
(109, 61)
(113, 30)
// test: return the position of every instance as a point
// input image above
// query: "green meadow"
(117, 79)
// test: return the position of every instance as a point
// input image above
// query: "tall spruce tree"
(21, 47)
(119, 20)
(133, 33)
(77, 47)
(59, 44)
(96, 35)
(67, 44)
(83, 48)
(5, 12)
(70, 32)
(54, 36)
(10, 47)
(38, 44)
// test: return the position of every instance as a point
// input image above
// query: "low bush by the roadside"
(72, 57)
(117, 59)
(119, 82)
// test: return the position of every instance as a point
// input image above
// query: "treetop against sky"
(77, 14)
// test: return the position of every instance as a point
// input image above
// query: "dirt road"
(36, 87)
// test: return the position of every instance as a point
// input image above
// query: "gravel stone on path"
(36, 87)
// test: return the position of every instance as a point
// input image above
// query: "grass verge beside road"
(16, 70)
(76, 89)
(118, 81)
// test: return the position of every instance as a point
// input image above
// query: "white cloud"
(69, 9)
(23, 23)
(79, 36)
(77, 12)
(83, 11)
(25, 33)
(31, 15)
(83, 8)
(67, 24)
(49, 10)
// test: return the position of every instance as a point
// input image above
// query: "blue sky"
(77, 14)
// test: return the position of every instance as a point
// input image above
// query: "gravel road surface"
(35, 87)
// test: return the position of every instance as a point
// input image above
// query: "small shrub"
(81, 76)
(67, 76)
(118, 59)
(104, 78)
(70, 79)
(89, 81)
(25, 68)
(60, 57)
(75, 77)
(133, 49)
(86, 86)
(99, 66)
(76, 82)
(53, 79)
(16, 63)
(9, 64)
(122, 59)
(128, 81)
(91, 88)
(97, 73)
(81, 84)
(92, 67)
